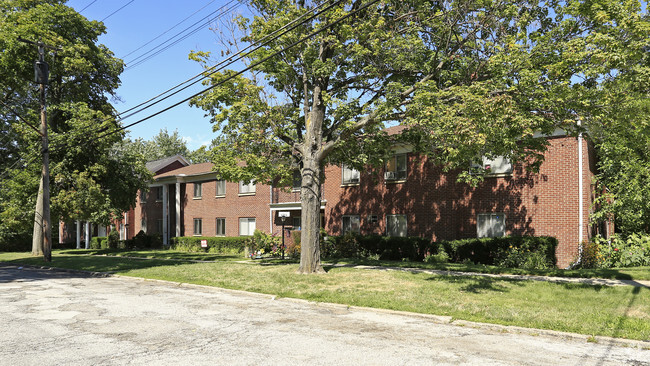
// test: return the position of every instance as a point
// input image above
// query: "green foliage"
(617, 251)
(440, 257)
(517, 252)
(221, 245)
(113, 240)
(293, 248)
(144, 241)
(99, 242)
(18, 242)
(262, 243)
(89, 179)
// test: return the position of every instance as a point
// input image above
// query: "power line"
(245, 69)
(86, 7)
(165, 32)
(229, 61)
(203, 22)
(113, 13)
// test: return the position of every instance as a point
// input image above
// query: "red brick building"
(408, 197)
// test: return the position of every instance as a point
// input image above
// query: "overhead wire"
(245, 69)
(203, 22)
(113, 13)
(167, 31)
(86, 7)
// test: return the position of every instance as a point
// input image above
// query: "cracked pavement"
(62, 318)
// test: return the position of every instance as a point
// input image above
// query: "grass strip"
(622, 312)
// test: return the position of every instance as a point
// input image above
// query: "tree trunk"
(310, 204)
(37, 237)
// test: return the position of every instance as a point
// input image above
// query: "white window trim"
(159, 189)
(406, 231)
(343, 231)
(249, 193)
(216, 226)
(248, 222)
(200, 189)
(349, 183)
(390, 176)
(490, 215)
(216, 190)
(200, 220)
(489, 163)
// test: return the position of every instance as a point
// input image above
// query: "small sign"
(204, 243)
(284, 214)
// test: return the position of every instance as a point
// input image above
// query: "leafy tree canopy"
(468, 78)
(89, 179)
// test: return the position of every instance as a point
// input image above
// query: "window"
(497, 165)
(122, 232)
(372, 219)
(351, 223)
(159, 226)
(198, 226)
(143, 196)
(296, 222)
(221, 226)
(197, 190)
(246, 226)
(159, 193)
(297, 180)
(350, 175)
(396, 225)
(143, 225)
(491, 225)
(221, 188)
(396, 168)
(246, 188)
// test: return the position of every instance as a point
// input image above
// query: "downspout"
(270, 210)
(581, 217)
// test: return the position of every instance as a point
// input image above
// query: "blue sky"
(138, 23)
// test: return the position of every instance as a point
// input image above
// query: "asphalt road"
(58, 318)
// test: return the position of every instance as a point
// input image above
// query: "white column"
(78, 234)
(87, 235)
(165, 214)
(178, 208)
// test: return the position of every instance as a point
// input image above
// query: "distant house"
(409, 196)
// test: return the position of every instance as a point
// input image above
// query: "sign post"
(283, 216)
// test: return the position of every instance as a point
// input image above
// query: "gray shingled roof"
(156, 165)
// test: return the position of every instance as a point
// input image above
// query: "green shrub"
(98, 242)
(263, 243)
(510, 251)
(113, 240)
(293, 248)
(220, 245)
(617, 251)
(440, 257)
(12, 242)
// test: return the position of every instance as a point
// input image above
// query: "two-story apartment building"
(410, 196)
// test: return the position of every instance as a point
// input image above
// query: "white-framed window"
(350, 223)
(198, 190)
(221, 226)
(349, 175)
(143, 225)
(246, 226)
(159, 194)
(159, 226)
(490, 225)
(496, 166)
(143, 196)
(122, 232)
(396, 225)
(396, 168)
(246, 188)
(221, 188)
(198, 227)
(296, 222)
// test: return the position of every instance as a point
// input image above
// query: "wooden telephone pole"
(42, 215)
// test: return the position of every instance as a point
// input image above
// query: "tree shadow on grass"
(478, 284)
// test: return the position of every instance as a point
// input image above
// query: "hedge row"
(236, 244)
(533, 251)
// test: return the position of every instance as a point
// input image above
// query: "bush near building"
(617, 251)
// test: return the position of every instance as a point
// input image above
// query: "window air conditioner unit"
(389, 175)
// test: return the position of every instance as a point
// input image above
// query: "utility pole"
(41, 74)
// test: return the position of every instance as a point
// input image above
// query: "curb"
(438, 319)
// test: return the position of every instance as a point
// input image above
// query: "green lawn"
(622, 312)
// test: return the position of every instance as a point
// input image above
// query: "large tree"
(89, 178)
(468, 78)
